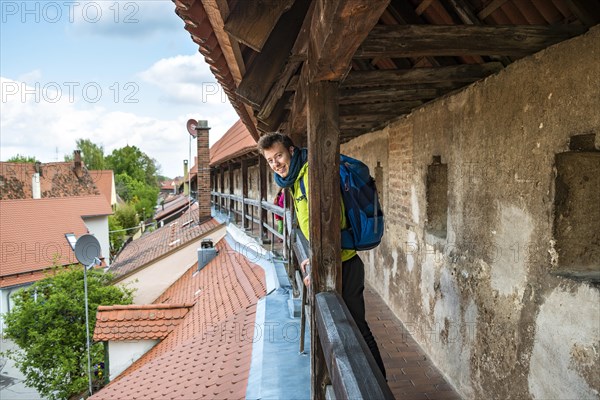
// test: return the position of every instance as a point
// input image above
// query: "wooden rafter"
(251, 22)
(267, 65)
(333, 20)
(449, 40)
(455, 73)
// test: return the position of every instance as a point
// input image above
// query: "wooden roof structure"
(389, 56)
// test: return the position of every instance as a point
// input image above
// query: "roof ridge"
(158, 306)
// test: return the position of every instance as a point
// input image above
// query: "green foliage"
(141, 195)
(91, 154)
(48, 324)
(126, 216)
(116, 238)
(135, 163)
(22, 159)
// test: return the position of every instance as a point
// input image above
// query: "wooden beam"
(338, 29)
(389, 108)
(267, 65)
(455, 40)
(588, 12)
(423, 6)
(455, 73)
(404, 93)
(353, 370)
(490, 8)
(231, 206)
(217, 11)
(276, 93)
(324, 201)
(298, 112)
(251, 22)
(262, 177)
(467, 15)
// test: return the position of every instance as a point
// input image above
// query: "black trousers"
(353, 286)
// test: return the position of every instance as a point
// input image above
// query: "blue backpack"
(363, 211)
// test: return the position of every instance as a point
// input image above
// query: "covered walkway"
(410, 373)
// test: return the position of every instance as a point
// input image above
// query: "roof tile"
(205, 355)
(152, 245)
(32, 232)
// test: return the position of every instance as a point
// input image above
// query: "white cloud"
(125, 19)
(48, 130)
(186, 80)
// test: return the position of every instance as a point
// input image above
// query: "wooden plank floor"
(410, 373)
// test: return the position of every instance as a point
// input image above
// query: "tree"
(116, 235)
(126, 216)
(22, 159)
(132, 161)
(141, 195)
(92, 154)
(48, 324)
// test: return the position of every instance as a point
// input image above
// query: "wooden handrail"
(353, 371)
(352, 368)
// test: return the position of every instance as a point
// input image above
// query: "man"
(290, 167)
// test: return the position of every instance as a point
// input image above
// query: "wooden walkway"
(410, 373)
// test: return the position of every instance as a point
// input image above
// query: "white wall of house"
(121, 354)
(98, 226)
(6, 304)
(151, 281)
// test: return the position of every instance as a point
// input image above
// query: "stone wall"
(482, 294)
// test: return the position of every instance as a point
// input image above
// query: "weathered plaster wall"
(482, 300)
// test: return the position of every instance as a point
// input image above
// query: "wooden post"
(324, 200)
(222, 187)
(262, 177)
(231, 191)
(245, 223)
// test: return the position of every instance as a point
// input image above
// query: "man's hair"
(268, 140)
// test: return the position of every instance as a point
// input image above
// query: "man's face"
(279, 157)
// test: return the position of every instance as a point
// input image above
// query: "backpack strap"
(303, 189)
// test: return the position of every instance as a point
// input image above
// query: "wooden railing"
(353, 373)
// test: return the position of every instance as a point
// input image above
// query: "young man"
(290, 166)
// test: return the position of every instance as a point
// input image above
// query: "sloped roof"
(208, 354)
(153, 245)
(138, 322)
(235, 142)
(103, 179)
(32, 232)
(172, 206)
(56, 180)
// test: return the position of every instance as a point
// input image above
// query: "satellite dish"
(191, 127)
(87, 250)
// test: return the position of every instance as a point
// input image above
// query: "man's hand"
(304, 266)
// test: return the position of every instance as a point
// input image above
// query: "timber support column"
(324, 184)
(245, 222)
(262, 177)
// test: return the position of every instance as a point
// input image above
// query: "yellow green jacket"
(301, 204)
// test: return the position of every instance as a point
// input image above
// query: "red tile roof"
(151, 246)
(56, 180)
(208, 354)
(172, 206)
(236, 142)
(138, 322)
(32, 233)
(103, 179)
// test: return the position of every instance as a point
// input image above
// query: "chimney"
(36, 190)
(203, 171)
(186, 186)
(77, 163)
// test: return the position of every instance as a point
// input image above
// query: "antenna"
(191, 127)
